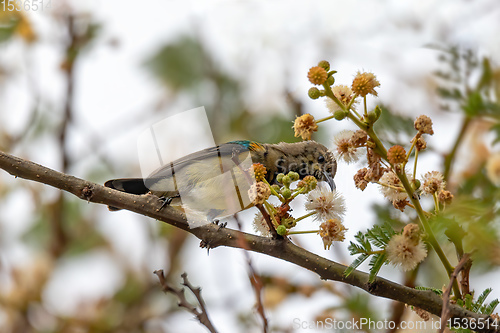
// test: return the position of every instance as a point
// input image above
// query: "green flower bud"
(330, 80)
(275, 187)
(293, 176)
(286, 192)
(415, 184)
(285, 180)
(340, 114)
(374, 115)
(314, 93)
(281, 230)
(325, 64)
(279, 178)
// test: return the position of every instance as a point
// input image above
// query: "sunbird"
(215, 181)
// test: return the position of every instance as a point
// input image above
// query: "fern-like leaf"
(376, 263)
(358, 261)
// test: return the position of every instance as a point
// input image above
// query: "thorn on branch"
(201, 313)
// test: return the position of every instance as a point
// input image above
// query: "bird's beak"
(329, 180)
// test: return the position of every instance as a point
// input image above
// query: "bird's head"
(307, 158)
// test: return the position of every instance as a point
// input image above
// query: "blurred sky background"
(266, 47)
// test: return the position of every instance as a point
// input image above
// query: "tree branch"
(200, 314)
(446, 295)
(215, 236)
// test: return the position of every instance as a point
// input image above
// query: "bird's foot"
(165, 201)
(205, 245)
(219, 223)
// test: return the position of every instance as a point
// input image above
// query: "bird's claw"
(165, 201)
(220, 224)
(205, 245)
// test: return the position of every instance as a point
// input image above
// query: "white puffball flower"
(392, 188)
(402, 251)
(325, 203)
(260, 225)
(344, 148)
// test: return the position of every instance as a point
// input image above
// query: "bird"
(213, 182)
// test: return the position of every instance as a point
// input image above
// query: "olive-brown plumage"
(215, 181)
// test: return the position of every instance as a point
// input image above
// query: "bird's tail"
(128, 185)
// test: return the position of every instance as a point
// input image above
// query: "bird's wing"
(201, 165)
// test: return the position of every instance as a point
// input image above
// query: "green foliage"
(474, 98)
(6, 31)
(180, 65)
(378, 236)
(394, 128)
(376, 263)
(273, 128)
(184, 66)
(496, 131)
(80, 232)
(479, 306)
(468, 222)
(436, 291)
(359, 305)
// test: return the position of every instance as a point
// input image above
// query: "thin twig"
(445, 312)
(255, 280)
(448, 160)
(200, 314)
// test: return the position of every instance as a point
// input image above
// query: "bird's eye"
(321, 159)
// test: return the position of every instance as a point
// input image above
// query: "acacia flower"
(259, 192)
(359, 138)
(420, 144)
(493, 169)
(423, 124)
(433, 182)
(400, 204)
(317, 75)
(309, 183)
(412, 232)
(344, 95)
(260, 225)
(259, 171)
(325, 203)
(360, 180)
(396, 154)
(445, 197)
(406, 251)
(304, 126)
(391, 187)
(344, 147)
(364, 84)
(375, 172)
(331, 231)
